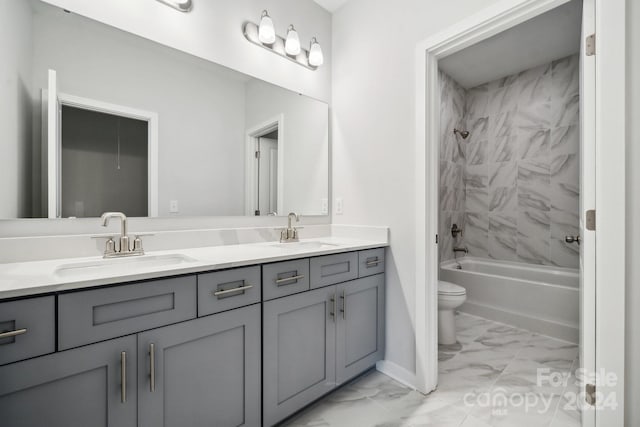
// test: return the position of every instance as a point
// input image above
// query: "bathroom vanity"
(246, 346)
(218, 323)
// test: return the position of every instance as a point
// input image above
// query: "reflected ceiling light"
(292, 45)
(266, 31)
(316, 58)
(181, 5)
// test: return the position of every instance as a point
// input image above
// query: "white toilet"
(450, 297)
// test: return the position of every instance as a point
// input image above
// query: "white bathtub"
(540, 298)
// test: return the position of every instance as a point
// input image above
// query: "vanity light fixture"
(315, 53)
(266, 31)
(181, 5)
(264, 35)
(292, 44)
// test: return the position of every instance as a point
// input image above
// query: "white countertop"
(36, 277)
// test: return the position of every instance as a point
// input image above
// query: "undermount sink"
(120, 265)
(304, 245)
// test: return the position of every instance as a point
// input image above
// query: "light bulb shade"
(292, 44)
(316, 58)
(181, 5)
(266, 31)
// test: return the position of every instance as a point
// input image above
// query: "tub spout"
(465, 250)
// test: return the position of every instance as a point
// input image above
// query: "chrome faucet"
(465, 250)
(124, 248)
(290, 234)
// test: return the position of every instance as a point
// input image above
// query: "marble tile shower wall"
(521, 167)
(452, 163)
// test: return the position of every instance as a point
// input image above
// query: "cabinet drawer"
(370, 262)
(225, 290)
(100, 314)
(28, 327)
(330, 269)
(285, 278)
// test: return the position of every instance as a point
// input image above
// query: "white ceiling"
(331, 5)
(547, 37)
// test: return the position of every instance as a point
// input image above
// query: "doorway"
(602, 132)
(477, 28)
(264, 174)
(266, 156)
(112, 118)
(104, 164)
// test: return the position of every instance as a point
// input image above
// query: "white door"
(267, 173)
(587, 202)
(53, 147)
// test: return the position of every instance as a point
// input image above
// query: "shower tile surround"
(513, 184)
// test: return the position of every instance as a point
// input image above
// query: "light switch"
(173, 206)
(324, 206)
(339, 206)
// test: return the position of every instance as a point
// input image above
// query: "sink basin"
(304, 245)
(120, 265)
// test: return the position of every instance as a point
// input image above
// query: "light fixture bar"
(250, 31)
(181, 5)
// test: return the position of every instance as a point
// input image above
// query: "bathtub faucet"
(465, 250)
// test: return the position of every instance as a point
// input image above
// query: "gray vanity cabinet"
(204, 372)
(87, 386)
(360, 332)
(316, 340)
(298, 351)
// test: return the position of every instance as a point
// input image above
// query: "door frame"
(251, 137)
(119, 110)
(609, 128)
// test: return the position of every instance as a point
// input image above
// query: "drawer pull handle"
(289, 279)
(152, 367)
(374, 262)
(15, 333)
(123, 377)
(232, 290)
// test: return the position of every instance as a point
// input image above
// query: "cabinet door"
(298, 351)
(88, 386)
(360, 333)
(204, 372)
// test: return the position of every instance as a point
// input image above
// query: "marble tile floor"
(495, 376)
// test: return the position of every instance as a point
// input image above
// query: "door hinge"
(436, 239)
(257, 154)
(590, 394)
(590, 220)
(590, 45)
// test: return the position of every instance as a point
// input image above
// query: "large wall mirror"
(95, 119)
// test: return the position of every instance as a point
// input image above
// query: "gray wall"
(522, 166)
(97, 175)
(15, 85)
(632, 230)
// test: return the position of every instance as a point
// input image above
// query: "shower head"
(463, 133)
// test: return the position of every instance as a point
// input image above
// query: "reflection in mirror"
(102, 120)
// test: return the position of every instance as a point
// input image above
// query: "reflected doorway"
(264, 169)
(266, 176)
(104, 164)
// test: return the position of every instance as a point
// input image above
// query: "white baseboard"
(397, 372)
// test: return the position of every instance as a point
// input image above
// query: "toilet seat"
(450, 289)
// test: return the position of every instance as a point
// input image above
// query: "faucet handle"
(137, 244)
(110, 247)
